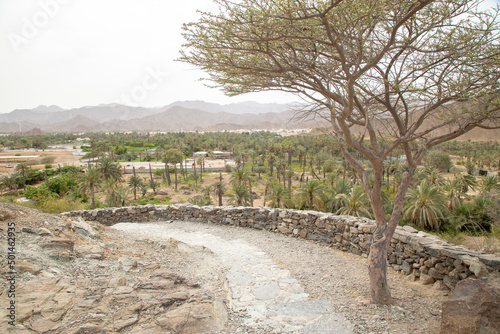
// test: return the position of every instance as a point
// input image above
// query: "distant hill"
(178, 116)
(233, 108)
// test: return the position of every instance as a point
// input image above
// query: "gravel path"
(325, 274)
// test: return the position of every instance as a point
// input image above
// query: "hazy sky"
(74, 53)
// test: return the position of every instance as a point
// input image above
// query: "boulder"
(479, 269)
(473, 308)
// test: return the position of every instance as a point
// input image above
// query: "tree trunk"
(185, 169)
(377, 268)
(377, 260)
(220, 191)
(251, 195)
(47, 180)
(152, 180)
(175, 171)
(167, 171)
(93, 197)
(195, 175)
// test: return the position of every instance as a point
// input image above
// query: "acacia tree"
(404, 75)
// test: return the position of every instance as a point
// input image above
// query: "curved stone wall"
(420, 255)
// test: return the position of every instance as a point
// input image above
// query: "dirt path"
(328, 274)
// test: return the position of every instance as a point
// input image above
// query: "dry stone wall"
(419, 255)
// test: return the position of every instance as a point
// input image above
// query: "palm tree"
(425, 205)
(109, 169)
(452, 191)
(9, 182)
(117, 193)
(219, 188)
(433, 176)
(310, 193)
(472, 216)
(121, 194)
(135, 182)
(465, 182)
(174, 157)
(201, 200)
(240, 195)
(277, 194)
(89, 182)
(270, 161)
(489, 183)
(23, 168)
(242, 176)
(331, 177)
(109, 186)
(356, 203)
(153, 184)
(289, 174)
(332, 200)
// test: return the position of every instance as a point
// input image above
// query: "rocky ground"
(82, 277)
(74, 277)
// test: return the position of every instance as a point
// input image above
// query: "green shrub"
(201, 200)
(98, 205)
(61, 184)
(48, 160)
(440, 160)
(454, 237)
(159, 172)
(33, 176)
(39, 194)
(59, 205)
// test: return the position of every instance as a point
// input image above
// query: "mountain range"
(178, 116)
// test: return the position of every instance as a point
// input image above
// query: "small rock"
(27, 230)
(88, 329)
(127, 264)
(440, 286)
(90, 251)
(43, 232)
(61, 244)
(59, 255)
(426, 279)
(84, 228)
(26, 267)
(479, 269)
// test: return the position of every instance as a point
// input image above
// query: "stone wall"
(415, 253)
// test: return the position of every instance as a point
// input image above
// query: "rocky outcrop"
(161, 303)
(474, 308)
(417, 254)
(70, 276)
